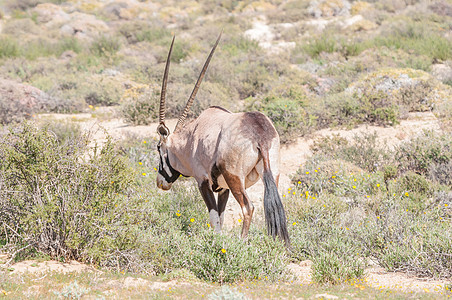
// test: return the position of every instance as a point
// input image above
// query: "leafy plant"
(58, 198)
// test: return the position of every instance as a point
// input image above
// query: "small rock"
(68, 54)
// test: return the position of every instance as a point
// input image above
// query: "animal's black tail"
(275, 216)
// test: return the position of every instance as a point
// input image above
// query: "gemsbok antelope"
(224, 152)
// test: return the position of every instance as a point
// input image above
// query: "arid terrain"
(359, 92)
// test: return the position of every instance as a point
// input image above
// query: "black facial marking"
(174, 173)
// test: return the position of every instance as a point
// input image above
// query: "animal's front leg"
(209, 199)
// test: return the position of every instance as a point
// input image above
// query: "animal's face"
(164, 175)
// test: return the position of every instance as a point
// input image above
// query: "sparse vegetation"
(352, 214)
(306, 65)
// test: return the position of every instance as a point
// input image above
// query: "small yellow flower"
(324, 205)
(192, 220)
(315, 171)
(294, 193)
(223, 250)
(90, 106)
(208, 225)
(378, 217)
(284, 196)
(294, 223)
(155, 169)
(378, 185)
(333, 176)
(313, 198)
(178, 214)
(144, 142)
(426, 290)
(354, 187)
(240, 220)
(307, 172)
(446, 205)
(406, 194)
(289, 189)
(299, 182)
(354, 179)
(140, 163)
(144, 174)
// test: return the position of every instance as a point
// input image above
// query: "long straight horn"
(165, 80)
(180, 122)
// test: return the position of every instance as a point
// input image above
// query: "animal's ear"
(163, 131)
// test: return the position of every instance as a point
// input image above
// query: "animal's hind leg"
(237, 188)
(223, 197)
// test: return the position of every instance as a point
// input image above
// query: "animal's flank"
(258, 127)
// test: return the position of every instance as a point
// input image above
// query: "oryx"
(224, 152)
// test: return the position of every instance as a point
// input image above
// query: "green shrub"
(336, 263)
(325, 43)
(105, 45)
(317, 234)
(8, 47)
(409, 241)
(38, 47)
(140, 106)
(101, 90)
(65, 131)
(424, 153)
(136, 32)
(237, 45)
(69, 44)
(418, 38)
(58, 198)
(341, 227)
(364, 150)
(413, 182)
(287, 114)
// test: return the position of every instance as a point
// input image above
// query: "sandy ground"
(292, 157)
